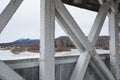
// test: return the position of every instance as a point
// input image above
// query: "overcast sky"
(26, 21)
(24, 24)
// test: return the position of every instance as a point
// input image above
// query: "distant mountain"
(25, 41)
(63, 43)
(22, 43)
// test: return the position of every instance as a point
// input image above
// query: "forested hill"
(65, 42)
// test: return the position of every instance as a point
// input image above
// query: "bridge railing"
(29, 68)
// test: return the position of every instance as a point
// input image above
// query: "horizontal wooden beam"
(61, 59)
(29, 63)
(25, 63)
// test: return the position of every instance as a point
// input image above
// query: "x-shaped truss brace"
(85, 45)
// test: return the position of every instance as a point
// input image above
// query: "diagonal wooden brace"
(6, 73)
(98, 23)
(8, 12)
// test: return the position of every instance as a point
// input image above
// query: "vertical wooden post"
(114, 45)
(47, 27)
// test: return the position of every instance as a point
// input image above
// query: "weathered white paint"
(22, 65)
(79, 34)
(47, 29)
(63, 70)
(6, 73)
(83, 61)
(66, 58)
(8, 12)
(84, 57)
(114, 45)
(101, 65)
(97, 71)
(93, 36)
(95, 31)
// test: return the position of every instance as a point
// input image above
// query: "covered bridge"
(88, 65)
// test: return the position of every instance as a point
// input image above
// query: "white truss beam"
(81, 66)
(98, 23)
(79, 34)
(114, 45)
(101, 65)
(47, 29)
(6, 73)
(8, 12)
(97, 71)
